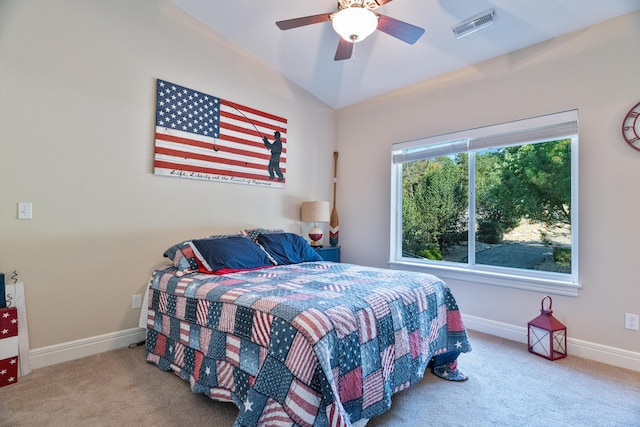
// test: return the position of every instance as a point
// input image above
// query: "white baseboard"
(58, 353)
(585, 349)
(51, 355)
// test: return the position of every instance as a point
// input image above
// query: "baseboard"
(51, 355)
(585, 349)
(58, 353)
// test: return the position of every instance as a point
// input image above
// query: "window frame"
(563, 125)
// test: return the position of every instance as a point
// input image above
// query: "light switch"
(25, 210)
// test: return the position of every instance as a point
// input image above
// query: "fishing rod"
(249, 120)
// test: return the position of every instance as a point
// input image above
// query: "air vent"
(475, 23)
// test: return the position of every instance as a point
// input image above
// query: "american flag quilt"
(310, 344)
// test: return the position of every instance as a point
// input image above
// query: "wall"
(594, 70)
(77, 112)
(77, 117)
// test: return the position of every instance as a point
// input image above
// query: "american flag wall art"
(201, 136)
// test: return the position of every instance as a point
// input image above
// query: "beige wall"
(596, 71)
(77, 120)
(77, 113)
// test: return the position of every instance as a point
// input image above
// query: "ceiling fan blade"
(401, 30)
(382, 2)
(288, 24)
(344, 50)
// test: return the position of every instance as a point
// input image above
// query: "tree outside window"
(502, 201)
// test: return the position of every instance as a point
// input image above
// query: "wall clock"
(631, 127)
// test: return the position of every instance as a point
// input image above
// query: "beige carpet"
(507, 387)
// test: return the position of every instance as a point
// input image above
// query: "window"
(495, 205)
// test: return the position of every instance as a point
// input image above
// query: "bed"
(291, 339)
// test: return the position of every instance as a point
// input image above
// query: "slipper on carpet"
(448, 373)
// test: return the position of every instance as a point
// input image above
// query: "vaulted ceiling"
(382, 63)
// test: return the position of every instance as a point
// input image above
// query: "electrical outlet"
(631, 321)
(136, 301)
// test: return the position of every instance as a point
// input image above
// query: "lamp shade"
(547, 336)
(315, 212)
(355, 23)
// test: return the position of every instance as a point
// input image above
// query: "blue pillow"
(182, 253)
(253, 233)
(234, 253)
(288, 248)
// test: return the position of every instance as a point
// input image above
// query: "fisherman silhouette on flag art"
(276, 150)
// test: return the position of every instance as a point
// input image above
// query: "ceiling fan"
(354, 21)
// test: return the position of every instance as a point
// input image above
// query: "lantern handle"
(550, 305)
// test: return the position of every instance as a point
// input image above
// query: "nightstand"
(329, 253)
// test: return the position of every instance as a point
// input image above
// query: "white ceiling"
(382, 63)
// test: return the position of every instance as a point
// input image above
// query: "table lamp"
(315, 212)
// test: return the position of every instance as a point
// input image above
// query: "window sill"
(548, 285)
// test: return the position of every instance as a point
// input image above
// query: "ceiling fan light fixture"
(355, 23)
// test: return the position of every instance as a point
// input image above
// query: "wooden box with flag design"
(8, 346)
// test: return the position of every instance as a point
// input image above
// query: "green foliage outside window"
(433, 202)
(531, 182)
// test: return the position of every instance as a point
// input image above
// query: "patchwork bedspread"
(310, 344)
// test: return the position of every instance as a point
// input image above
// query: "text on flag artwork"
(200, 136)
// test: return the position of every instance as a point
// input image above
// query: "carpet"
(507, 386)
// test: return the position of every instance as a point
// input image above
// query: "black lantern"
(547, 335)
